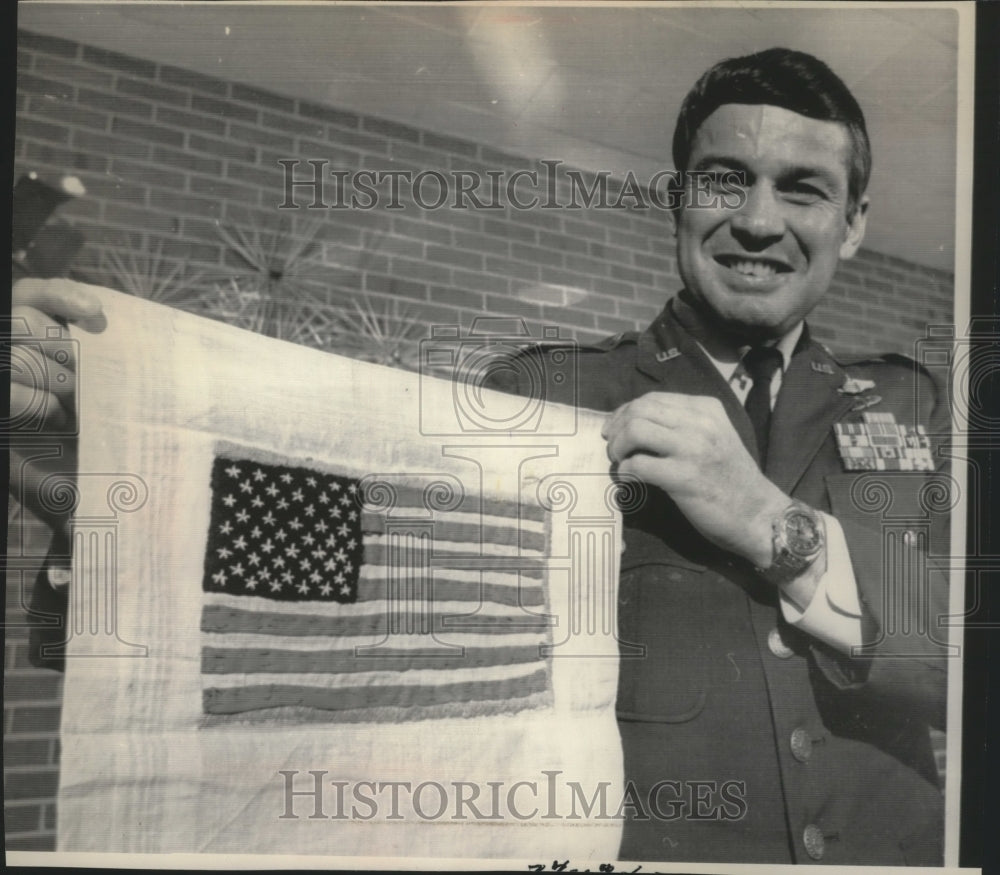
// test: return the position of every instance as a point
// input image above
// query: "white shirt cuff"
(834, 614)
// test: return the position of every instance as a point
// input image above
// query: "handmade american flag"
(269, 580)
(315, 607)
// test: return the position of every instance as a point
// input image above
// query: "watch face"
(802, 533)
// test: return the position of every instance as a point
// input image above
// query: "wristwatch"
(797, 538)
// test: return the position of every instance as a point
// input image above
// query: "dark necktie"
(761, 362)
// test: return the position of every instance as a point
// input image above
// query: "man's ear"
(673, 217)
(856, 225)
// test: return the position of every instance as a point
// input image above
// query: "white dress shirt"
(834, 614)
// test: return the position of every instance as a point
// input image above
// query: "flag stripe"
(217, 618)
(254, 698)
(412, 642)
(260, 659)
(377, 547)
(376, 522)
(376, 589)
(470, 576)
(390, 678)
(444, 607)
(471, 535)
(293, 715)
(410, 496)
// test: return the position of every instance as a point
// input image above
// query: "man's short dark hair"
(791, 80)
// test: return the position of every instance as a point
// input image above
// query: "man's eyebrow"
(811, 171)
(795, 171)
(722, 160)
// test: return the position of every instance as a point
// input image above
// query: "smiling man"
(791, 664)
(761, 269)
(757, 576)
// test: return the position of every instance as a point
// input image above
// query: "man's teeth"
(757, 269)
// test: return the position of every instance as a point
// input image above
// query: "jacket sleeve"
(896, 525)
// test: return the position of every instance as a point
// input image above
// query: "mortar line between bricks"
(41, 734)
(27, 836)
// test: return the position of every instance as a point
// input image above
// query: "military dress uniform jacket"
(744, 738)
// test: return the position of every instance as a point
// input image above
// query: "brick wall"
(166, 153)
(31, 705)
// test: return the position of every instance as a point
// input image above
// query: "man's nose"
(759, 221)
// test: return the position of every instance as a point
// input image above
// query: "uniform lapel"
(808, 405)
(670, 355)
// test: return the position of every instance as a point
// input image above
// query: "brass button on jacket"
(812, 838)
(801, 744)
(776, 644)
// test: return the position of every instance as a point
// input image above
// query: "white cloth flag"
(314, 611)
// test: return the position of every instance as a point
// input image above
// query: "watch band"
(798, 536)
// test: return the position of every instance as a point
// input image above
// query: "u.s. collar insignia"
(821, 367)
(879, 443)
(667, 355)
(854, 386)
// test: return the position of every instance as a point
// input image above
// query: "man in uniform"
(777, 715)
(755, 574)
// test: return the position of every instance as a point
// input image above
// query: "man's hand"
(42, 421)
(686, 445)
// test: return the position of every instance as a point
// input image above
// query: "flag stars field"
(314, 538)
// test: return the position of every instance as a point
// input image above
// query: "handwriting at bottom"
(564, 867)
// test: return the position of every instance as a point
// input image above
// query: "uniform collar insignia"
(853, 386)
(667, 355)
(821, 367)
(866, 402)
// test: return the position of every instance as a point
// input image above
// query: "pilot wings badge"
(855, 386)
